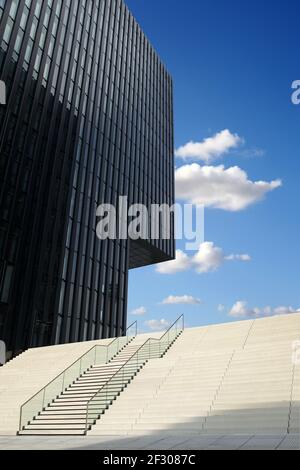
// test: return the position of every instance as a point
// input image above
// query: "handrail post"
(44, 393)
(63, 382)
(20, 421)
(87, 415)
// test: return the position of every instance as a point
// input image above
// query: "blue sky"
(233, 64)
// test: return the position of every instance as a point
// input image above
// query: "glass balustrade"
(99, 354)
(152, 348)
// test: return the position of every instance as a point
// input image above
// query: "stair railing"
(152, 348)
(98, 354)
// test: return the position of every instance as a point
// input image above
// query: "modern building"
(88, 118)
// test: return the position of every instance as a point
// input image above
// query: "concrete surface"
(229, 379)
(157, 442)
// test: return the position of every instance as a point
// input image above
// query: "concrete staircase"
(84, 401)
(25, 375)
(260, 391)
(67, 414)
(221, 379)
(236, 378)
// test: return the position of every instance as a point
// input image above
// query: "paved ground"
(157, 442)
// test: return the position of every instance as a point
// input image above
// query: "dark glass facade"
(88, 117)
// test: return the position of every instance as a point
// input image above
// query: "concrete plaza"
(153, 442)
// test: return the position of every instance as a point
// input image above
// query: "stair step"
(106, 390)
(36, 426)
(129, 367)
(104, 368)
(114, 378)
(65, 415)
(62, 421)
(96, 378)
(71, 400)
(93, 389)
(93, 385)
(75, 409)
(108, 385)
(83, 402)
(79, 393)
(73, 405)
(51, 432)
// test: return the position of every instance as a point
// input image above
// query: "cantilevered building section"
(88, 118)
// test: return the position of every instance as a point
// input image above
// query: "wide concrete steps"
(86, 400)
(97, 388)
(221, 379)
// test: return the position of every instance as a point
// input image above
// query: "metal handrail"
(166, 332)
(128, 360)
(106, 346)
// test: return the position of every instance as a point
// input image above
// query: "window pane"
(6, 283)
(13, 8)
(19, 41)
(8, 30)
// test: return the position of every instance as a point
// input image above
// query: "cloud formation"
(238, 258)
(220, 188)
(181, 299)
(139, 312)
(211, 148)
(157, 325)
(208, 258)
(241, 310)
(181, 263)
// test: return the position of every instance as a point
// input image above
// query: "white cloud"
(241, 310)
(179, 264)
(210, 148)
(221, 308)
(183, 299)
(244, 257)
(157, 325)
(139, 312)
(218, 187)
(253, 152)
(282, 310)
(208, 258)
